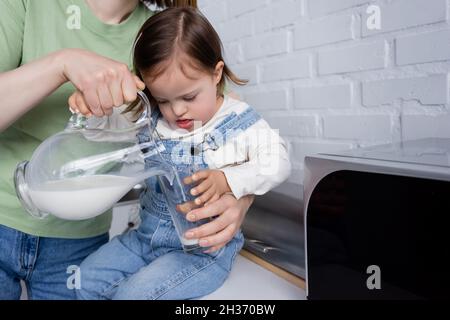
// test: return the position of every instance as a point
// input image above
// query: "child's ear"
(218, 70)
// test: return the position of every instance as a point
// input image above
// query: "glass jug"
(83, 171)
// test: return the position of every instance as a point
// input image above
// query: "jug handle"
(147, 111)
(79, 121)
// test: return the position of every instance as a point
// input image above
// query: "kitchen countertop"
(250, 281)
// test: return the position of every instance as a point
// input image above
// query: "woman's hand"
(217, 233)
(101, 83)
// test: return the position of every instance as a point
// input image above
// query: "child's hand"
(213, 186)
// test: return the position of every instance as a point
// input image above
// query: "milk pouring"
(84, 170)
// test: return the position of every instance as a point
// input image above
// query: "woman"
(48, 49)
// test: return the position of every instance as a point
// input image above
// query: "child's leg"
(177, 275)
(120, 258)
(103, 270)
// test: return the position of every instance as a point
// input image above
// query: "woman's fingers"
(116, 92)
(215, 248)
(72, 103)
(214, 226)
(186, 207)
(206, 196)
(102, 102)
(220, 238)
(208, 212)
(78, 105)
(105, 98)
(103, 82)
(139, 84)
(92, 100)
(129, 88)
(217, 233)
(214, 198)
(81, 105)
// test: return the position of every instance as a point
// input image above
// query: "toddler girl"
(178, 56)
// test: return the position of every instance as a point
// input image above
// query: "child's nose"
(179, 108)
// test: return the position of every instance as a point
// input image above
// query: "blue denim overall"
(186, 157)
(149, 262)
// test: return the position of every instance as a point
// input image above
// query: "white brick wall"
(427, 47)
(363, 56)
(327, 82)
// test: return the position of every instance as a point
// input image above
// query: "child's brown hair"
(172, 3)
(179, 28)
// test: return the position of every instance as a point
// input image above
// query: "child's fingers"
(199, 175)
(202, 187)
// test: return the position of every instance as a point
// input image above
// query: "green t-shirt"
(30, 29)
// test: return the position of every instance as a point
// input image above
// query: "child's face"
(186, 96)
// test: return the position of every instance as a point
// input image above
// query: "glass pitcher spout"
(83, 171)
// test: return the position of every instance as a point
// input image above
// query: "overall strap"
(228, 128)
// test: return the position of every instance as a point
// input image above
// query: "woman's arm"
(24, 87)
(221, 230)
(103, 82)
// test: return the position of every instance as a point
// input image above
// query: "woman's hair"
(171, 3)
(178, 30)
